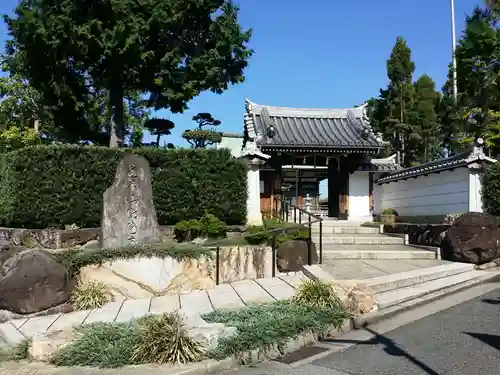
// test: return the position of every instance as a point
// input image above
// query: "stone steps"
(387, 252)
(358, 239)
(344, 230)
(398, 296)
(395, 290)
(387, 283)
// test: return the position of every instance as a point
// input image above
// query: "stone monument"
(128, 214)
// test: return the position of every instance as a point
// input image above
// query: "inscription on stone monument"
(133, 200)
(129, 216)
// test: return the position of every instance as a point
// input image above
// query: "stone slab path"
(232, 295)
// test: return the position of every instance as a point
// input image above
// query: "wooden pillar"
(338, 190)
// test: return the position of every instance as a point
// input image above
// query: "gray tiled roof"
(373, 167)
(463, 159)
(307, 128)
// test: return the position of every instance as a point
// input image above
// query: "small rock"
(44, 345)
(5, 316)
(357, 298)
(199, 241)
(207, 334)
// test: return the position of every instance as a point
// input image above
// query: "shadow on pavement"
(390, 347)
(492, 301)
(491, 340)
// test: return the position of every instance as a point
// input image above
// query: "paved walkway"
(233, 295)
(360, 269)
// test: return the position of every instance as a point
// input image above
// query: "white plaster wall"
(435, 194)
(232, 143)
(359, 196)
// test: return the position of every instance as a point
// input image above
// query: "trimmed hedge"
(53, 186)
(491, 190)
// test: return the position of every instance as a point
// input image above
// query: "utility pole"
(453, 49)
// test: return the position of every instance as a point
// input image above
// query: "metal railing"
(312, 219)
(286, 208)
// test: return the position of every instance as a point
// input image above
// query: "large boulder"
(473, 238)
(292, 255)
(31, 281)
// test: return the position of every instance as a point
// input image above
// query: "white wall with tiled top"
(448, 192)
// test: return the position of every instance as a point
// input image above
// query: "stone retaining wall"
(63, 239)
(420, 234)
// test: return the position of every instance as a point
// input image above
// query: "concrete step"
(362, 239)
(387, 283)
(331, 252)
(399, 296)
(345, 230)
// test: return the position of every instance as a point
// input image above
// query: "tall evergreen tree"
(426, 102)
(478, 64)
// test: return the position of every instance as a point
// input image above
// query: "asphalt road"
(463, 339)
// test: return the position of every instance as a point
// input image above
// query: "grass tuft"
(104, 345)
(164, 339)
(89, 295)
(316, 293)
(269, 325)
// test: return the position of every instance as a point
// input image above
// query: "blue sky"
(324, 53)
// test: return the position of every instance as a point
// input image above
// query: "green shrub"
(187, 230)
(89, 295)
(16, 352)
(316, 293)
(164, 339)
(105, 345)
(491, 190)
(76, 259)
(388, 211)
(265, 326)
(208, 226)
(263, 234)
(54, 186)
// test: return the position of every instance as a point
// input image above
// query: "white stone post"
(254, 159)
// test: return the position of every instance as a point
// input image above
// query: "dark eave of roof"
(460, 160)
(329, 130)
(373, 167)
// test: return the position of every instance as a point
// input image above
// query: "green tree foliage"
(170, 49)
(425, 119)
(22, 106)
(159, 127)
(205, 134)
(491, 190)
(405, 112)
(478, 64)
